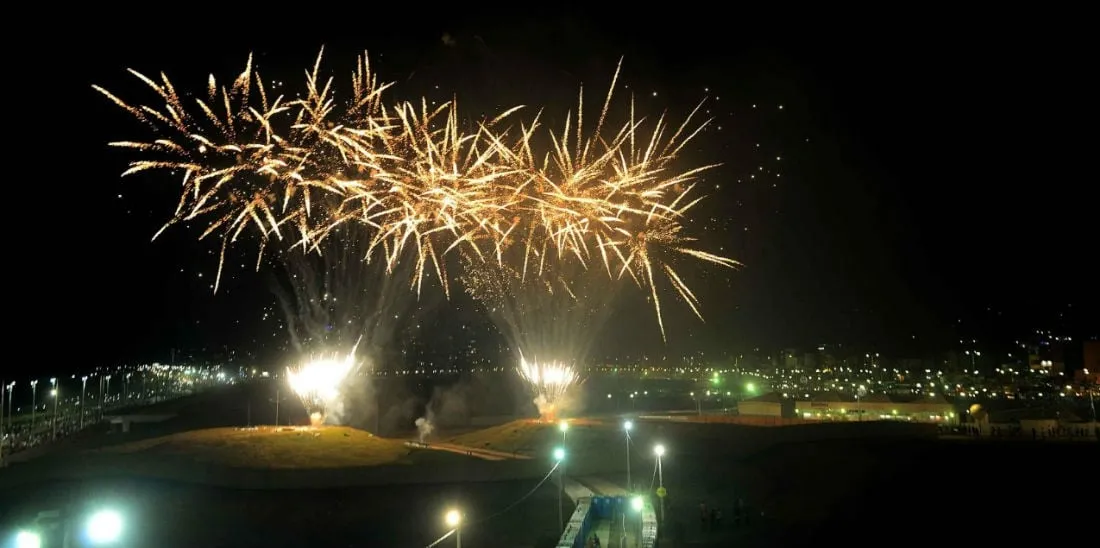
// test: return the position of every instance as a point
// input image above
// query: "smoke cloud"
(424, 426)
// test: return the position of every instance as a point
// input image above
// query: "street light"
(11, 386)
(56, 393)
(454, 521)
(83, 388)
(636, 504)
(627, 426)
(108, 398)
(104, 527)
(28, 539)
(564, 427)
(559, 455)
(659, 450)
(1, 426)
(860, 392)
(34, 402)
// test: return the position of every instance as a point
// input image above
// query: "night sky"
(893, 188)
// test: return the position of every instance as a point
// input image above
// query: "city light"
(28, 539)
(628, 425)
(563, 426)
(637, 503)
(559, 454)
(104, 527)
(453, 518)
(659, 450)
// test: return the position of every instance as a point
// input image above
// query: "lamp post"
(11, 387)
(56, 393)
(126, 389)
(83, 388)
(564, 427)
(659, 450)
(34, 402)
(104, 401)
(637, 504)
(626, 428)
(559, 455)
(1, 423)
(860, 392)
(454, 521)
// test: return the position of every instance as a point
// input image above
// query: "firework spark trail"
(613, 198)
(300, 169)
(332, 297)
(551, 321)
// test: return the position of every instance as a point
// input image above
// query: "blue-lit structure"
(592, 510)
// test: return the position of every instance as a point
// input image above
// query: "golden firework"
(538, 200)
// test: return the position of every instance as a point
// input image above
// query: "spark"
(317, 382)
(509, 192)
(550, 381)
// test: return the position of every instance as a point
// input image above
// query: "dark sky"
(927, 173)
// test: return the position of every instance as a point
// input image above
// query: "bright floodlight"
(563, 426)
(28, 539)
(628, 425)
(104, 527)
(659, 450)
(453, 518)
(559, 454)
(636, 504)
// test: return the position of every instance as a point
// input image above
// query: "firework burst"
(550, 382)
(317, 382)
(607, 197)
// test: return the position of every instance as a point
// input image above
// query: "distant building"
(1091, 362)
(831, 406)
(766, 405)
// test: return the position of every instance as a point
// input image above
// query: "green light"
(750, 387)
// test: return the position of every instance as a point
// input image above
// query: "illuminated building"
(830, 406)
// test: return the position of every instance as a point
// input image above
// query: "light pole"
(698, 404)
(559, 455)
(564, 427)
(454, 521)
(126, 389)
(1, 422)
(1, 434)
(34, 402)
(83, 388)
(1092, 402)
(56, 393)
(659, 450)
(637, 504)
(626, 428)
(277, 395)
(11, 387)
(860, 392)
(108, 379)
